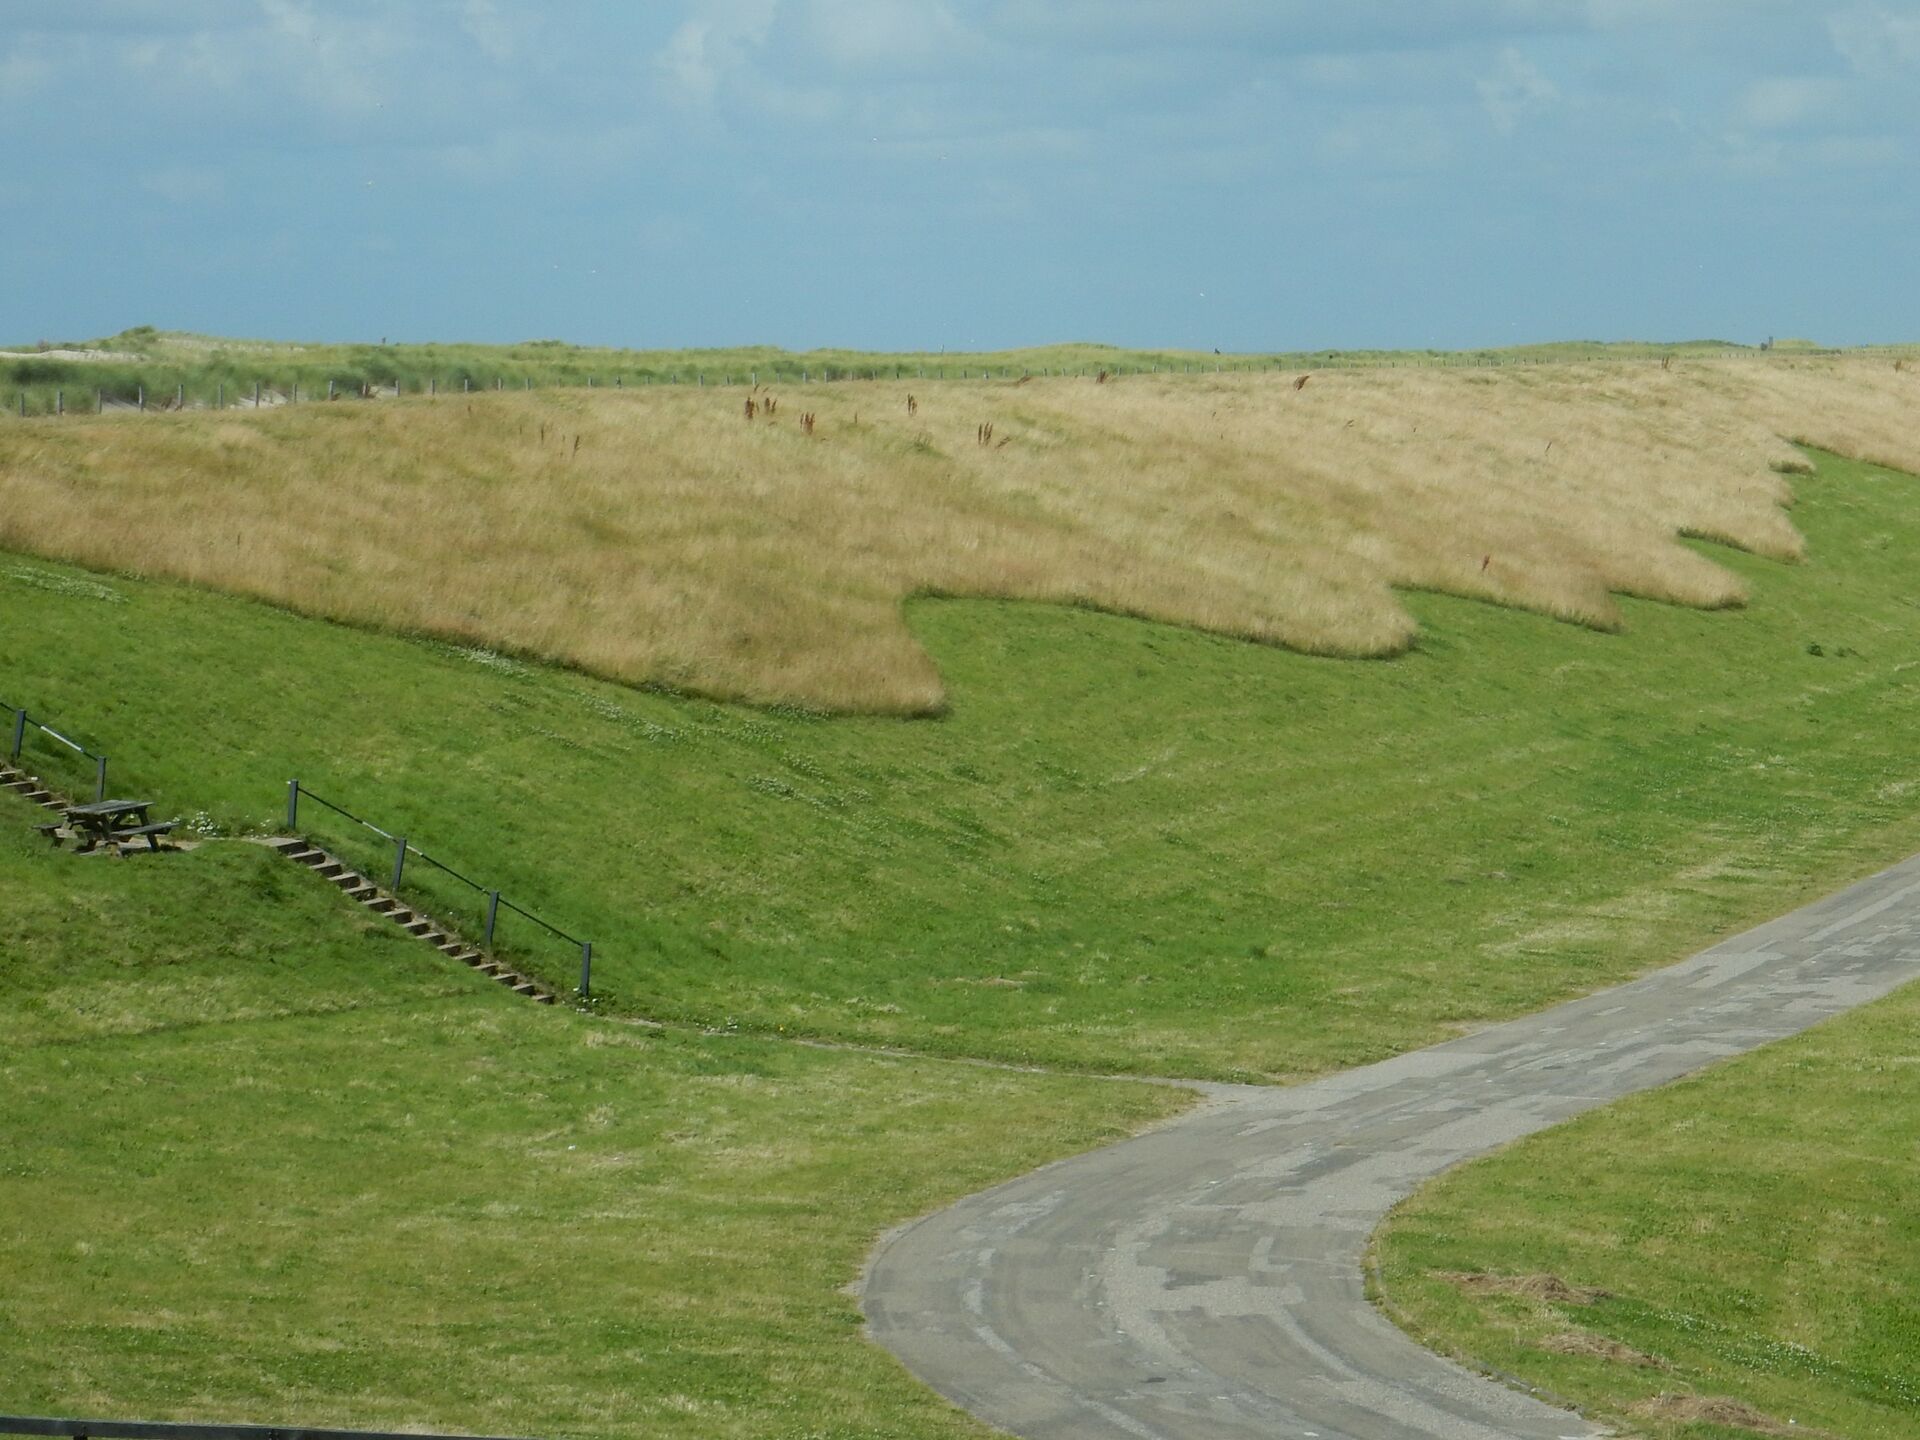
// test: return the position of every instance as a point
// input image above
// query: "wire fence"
(39, 399)
(400, 850)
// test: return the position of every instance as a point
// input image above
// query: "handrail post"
(493, 912)
(100, 778)
(586, 970)
(399, 860)
(19, 732)
(293, 806)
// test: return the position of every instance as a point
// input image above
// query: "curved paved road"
(1203, 1281)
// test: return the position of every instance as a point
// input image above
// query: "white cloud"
(1516, 92)
(718, 40)
(486, 27)
(1791, 102)
(22, 73)
(1874, 40)
(185, 184)
(886, 35)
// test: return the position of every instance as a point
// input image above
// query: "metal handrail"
(402, 848)
(21, 720)
(558, 934)
(175, 1430)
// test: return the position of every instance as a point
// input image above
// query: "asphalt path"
(1204, 1281)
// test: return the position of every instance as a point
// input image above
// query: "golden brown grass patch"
(1599, 1347)
(651, 536)
(1527, 1287)
(1718, 1410)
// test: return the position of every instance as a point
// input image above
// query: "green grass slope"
(1128, 847)
(1756, 1229)
(260, 1162)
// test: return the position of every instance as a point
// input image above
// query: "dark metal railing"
(402, 848)
(22, 720)
(173, 1430)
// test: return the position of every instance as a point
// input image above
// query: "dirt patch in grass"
(1599, 1347)
(1718, 1410)
(1527, 1287)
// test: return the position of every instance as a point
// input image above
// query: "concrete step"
(332, 869)
(286, 845)
(526, 987)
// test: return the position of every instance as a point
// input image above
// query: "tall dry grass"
(659, 536)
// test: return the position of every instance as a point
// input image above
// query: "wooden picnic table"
(106, 820)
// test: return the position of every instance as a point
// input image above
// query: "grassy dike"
(200, 365)
(261, 1160)
(1128, 846)
(1755, 1229)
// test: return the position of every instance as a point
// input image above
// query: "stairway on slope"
(357, 887)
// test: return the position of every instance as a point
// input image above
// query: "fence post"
(586, 970)
(100, 778)
(180, 397)
(19, 733)
(143, 397)
(256, 394)
(99, 402)
(293, 805)
(493, 913)
(220, 396)
(399, 861)
(433, 385)
(329, 389)
(59, 402)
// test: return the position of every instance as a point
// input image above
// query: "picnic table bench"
(106, 822)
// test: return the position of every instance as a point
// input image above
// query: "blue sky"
(1248, 174)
